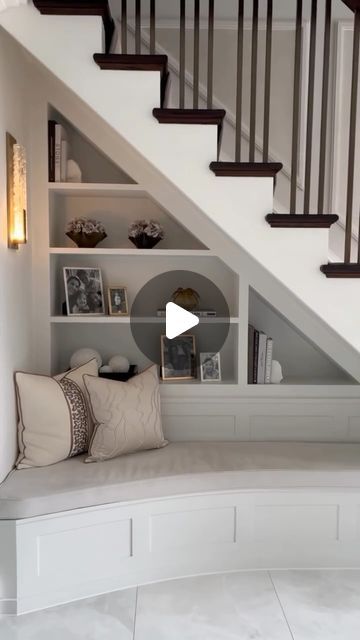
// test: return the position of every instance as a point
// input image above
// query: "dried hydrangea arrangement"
(86, 232)
(145, 234)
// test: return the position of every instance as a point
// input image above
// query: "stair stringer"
(202, 202)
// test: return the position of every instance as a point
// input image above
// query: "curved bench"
(74, 530)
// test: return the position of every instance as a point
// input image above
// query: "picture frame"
(210, 367)
(118, 301)
(178, 357)
(84, 291)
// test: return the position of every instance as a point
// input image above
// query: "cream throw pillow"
(126, 414)
(54, 418)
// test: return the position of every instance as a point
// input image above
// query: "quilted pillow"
(54, 417)
(127, 415)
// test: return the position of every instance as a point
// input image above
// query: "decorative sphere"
(119, 364)
(82, 356)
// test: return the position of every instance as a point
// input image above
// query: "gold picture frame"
(178, 357)
(120, 307)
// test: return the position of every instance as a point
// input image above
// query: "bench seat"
(182, 468)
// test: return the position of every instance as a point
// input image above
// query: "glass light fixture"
(16, 193)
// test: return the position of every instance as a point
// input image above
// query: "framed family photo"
(178, 358)
(210, 368)
(84, 291)
(118, 302)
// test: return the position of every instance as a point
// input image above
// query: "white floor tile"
(320, 605)
(109, 617)
(239, 606)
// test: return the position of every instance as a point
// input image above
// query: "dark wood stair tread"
(341, 270)
(296, 221)
(131, 62)
(190, 116)
(246, 169)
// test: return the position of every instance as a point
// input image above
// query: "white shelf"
(97, 189)
(85, 319)
(168, 253)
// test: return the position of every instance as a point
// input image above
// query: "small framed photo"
(210, 367)
(178, 358)
(118, 302)
(84, 291)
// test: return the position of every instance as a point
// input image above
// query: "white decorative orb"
(276, 372)
(119, 364)
(82, 356)
(73, 172)
(105, 369)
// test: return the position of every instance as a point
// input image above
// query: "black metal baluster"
(124, 26)
(296, 107)
(239, 80)
(253, 92)
(182, 55)
(310, 108)
(152, 26)
(352, 139)
(196, 53)
(324, 108)
(210, 71)
(268, 53)
(138, 26)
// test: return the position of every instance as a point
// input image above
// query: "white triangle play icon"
(178, 320)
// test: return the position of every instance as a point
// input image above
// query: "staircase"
(129, 92)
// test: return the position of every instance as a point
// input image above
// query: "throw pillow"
(127, 415)
(54, 417)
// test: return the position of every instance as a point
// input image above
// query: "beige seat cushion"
(127, 415)
(181, 468)
(54, 417)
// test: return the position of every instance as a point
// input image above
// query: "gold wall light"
(16, 192)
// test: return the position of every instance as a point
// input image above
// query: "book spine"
(261, 358)
(58, 136)
(251, 332)
(256, 353)
(268, 362)
(51, 149)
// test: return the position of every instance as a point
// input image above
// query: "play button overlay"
(173, 305)
(178, 320)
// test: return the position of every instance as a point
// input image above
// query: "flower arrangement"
(85, 232)
(145, 234)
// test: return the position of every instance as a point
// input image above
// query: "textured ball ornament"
(82, 356)
(119, 364)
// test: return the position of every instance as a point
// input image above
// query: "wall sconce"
(16, 192)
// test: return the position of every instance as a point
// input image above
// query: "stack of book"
(58, 152)
(203, 313)
(260, 350)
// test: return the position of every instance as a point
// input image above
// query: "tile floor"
(276, 605)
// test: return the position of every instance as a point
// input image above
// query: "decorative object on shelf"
(73, 172)
(16, 193)
(85, 232)
(84, 355)
(84, 291)
(276, 372)
(186, 298)
(210, 368)
(118, 302)
(119, 364)
(105, 369)
(145, 234)
(178, 358)
(119, 376)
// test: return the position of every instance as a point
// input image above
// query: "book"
(51, 149)
(206, 313)
(268, 360)
(260, 378)
(60, 136)
(251, 337)
(256, 353)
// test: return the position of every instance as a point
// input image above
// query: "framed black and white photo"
(84, 291)
(118, 302)
(178, 358)
(210, 367)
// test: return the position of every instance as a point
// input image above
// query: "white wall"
(15, 272)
